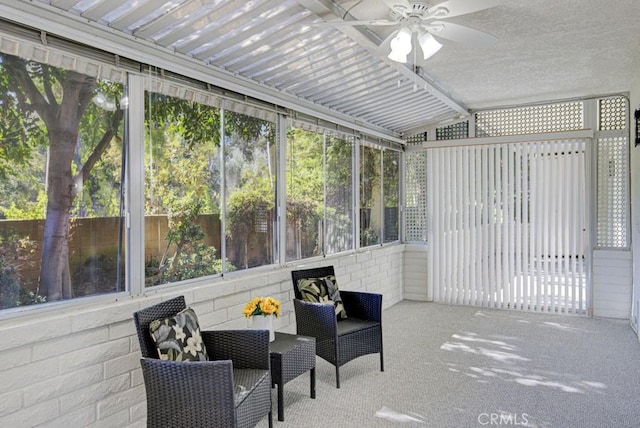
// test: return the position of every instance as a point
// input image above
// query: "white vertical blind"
(508, 225)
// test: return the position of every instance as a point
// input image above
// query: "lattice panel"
(612, 113)
(613, 193)
(453, 132)
(416, 196)
(530, 119)
(417, 139)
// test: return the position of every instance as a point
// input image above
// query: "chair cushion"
(352, 324)
(178, 337)
(322, 290)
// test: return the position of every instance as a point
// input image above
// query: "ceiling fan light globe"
(397, 56)
(428, 44)
(400, 46)
(403, 39)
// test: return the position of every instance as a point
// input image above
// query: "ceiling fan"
(419, 22)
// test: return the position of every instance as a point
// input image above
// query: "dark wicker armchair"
(340, 341)
(233, 389)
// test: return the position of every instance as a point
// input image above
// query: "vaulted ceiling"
(275, 50)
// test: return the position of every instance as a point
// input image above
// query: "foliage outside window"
(338, 223)
(370, 196)
(184, 229)
(304, 193)
(379, 195)
(60, 186)
(182, 212)
(391, 194)
(319, 194)
(249, 145)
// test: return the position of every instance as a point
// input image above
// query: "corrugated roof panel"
(277, 44)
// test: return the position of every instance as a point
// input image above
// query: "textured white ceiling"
(548, 50)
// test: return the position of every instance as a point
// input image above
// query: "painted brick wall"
(78, 364)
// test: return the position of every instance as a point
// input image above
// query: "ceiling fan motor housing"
(418, 10)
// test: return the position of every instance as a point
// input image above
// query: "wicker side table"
(292, 355)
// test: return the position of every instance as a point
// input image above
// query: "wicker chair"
(233, 389)
(340, 341)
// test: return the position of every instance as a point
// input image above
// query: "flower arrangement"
(262, 306)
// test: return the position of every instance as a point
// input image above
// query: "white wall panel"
(612, 284)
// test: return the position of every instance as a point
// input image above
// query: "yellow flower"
(249, 309)
(267, 307)
(271, 306)
(262, 306)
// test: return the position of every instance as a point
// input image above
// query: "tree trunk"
(55, 279)
(63, 122)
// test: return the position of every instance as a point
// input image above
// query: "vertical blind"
(508, 225)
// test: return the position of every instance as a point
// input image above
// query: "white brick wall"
(78, 364)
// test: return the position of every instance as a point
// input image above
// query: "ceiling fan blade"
(403, 7)
(462, 7)
(461, 34)
(371, 23)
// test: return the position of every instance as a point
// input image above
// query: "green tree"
(370, 165)
(59, 99)
(304, 190)
(186, 255)
(339, 195)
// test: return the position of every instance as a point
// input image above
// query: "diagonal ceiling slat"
(140, 13)
(215, 35)
(404, 109)
(364, 92)
(297, 45)
(197, 31)
(259, 32)
(97, 11)
(330, 70)
(284, 42)
(178, 17)
(357, 85)
(64, 4)
(278, 73)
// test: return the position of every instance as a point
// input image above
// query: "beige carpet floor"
(460, 366)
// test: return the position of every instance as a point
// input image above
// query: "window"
(338, 206)
(250, 180)
(208, 209)
(60, 183)
(391, 194)
(182, 189)
(319, 193)
(370, 196)
(304, 193)
(210, 180)
(379, 195)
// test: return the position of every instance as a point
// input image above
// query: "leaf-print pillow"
(178, 338)
(322, 290)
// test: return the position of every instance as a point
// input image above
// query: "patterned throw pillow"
(322, 290)
(178, 338)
